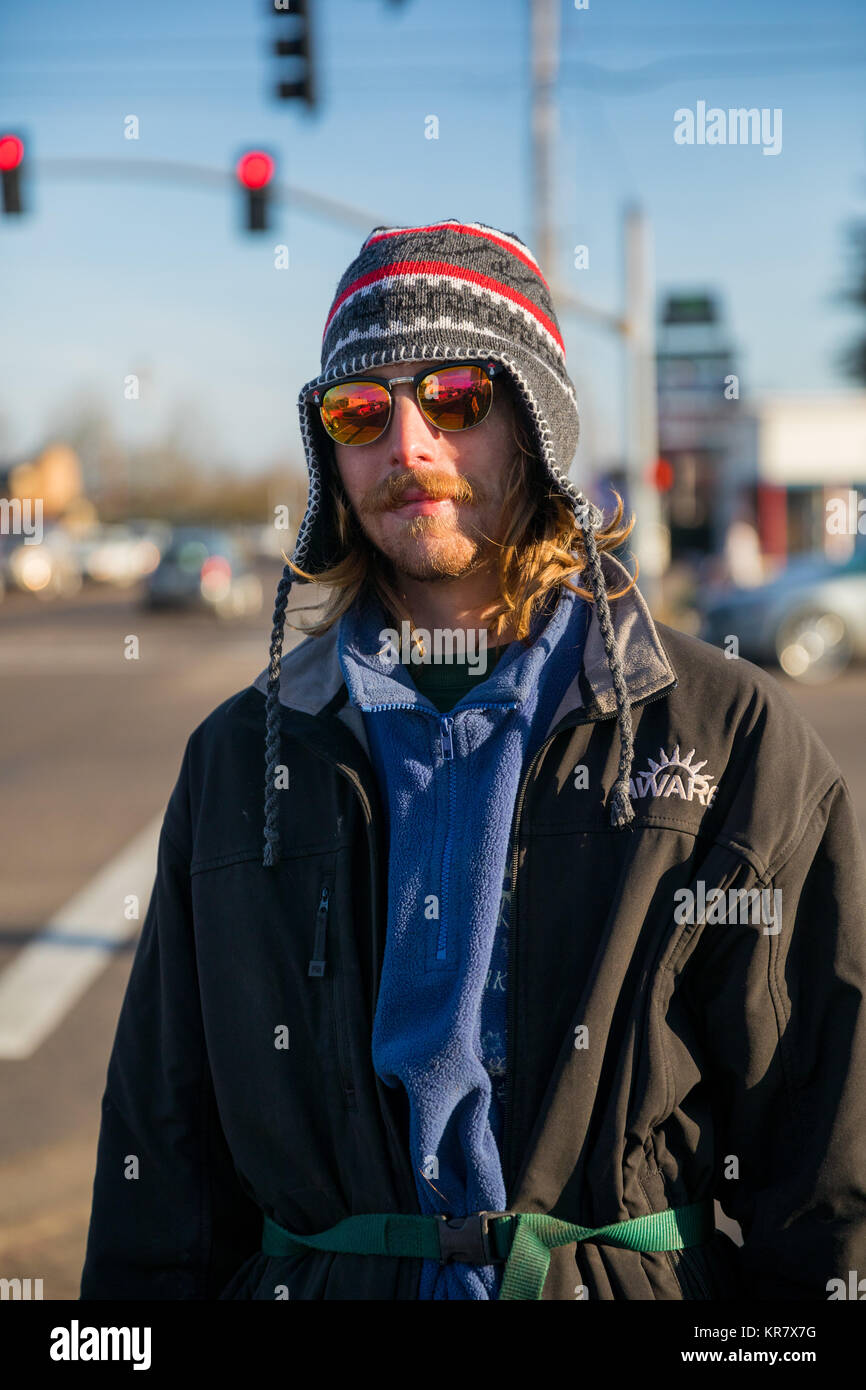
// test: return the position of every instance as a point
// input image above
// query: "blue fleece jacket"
(449, 783)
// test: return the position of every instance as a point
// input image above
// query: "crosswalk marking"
(46, 978)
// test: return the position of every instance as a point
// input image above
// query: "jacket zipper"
(316, 969)
(338, 1014)
(510, 1047)
(446, 724)
(317, 964)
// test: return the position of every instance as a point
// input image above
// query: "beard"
(428, 549)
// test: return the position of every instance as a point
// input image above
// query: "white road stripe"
(47, 978)
(25, 658)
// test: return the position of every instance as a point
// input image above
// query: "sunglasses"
(454, 396)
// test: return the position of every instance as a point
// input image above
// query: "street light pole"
(646, 541)
(544, 42)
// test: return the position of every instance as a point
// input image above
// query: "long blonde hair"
(542, 548)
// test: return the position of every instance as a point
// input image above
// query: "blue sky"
(110, 277)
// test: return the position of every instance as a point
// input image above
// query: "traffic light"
(254, 171)
(300, 46)
(11, 159)
(662, 475)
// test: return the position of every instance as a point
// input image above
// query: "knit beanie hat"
(445, 291)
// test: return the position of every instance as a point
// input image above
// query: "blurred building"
(767, 464)
(698, 422)
(54, 475)
(797, 452)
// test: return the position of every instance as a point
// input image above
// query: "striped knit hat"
(446, 291)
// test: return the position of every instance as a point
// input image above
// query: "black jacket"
(725, 1059)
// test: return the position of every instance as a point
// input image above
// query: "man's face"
(464, 472)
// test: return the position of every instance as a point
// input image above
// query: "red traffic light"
(255, 169)
(11, 153)
(663, 475)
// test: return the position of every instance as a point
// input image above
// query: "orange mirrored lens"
(456, 398)
(355, 412)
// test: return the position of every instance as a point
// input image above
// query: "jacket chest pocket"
(324, 966)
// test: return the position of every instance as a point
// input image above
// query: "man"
(573, 934)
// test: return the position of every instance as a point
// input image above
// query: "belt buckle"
(466, 1239)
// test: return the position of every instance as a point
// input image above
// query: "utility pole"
(544, 25)
(646, 541)
(635, 325)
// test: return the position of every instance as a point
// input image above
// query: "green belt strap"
(523, 1239)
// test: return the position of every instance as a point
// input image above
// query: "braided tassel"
(272, 724)
(621, 809)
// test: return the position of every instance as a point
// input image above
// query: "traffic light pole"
(203, 177)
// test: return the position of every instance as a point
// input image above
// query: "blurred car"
(265, 541)
(203, 568)
(49, 569)
(114, 554)
(811, 618)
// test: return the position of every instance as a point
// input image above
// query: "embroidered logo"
(674, 776)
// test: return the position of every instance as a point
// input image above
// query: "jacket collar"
(311, 676)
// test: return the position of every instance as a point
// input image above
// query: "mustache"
(391, 492)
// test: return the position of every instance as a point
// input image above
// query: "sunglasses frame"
(315, 394)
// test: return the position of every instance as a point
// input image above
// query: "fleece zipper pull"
(447, 744)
